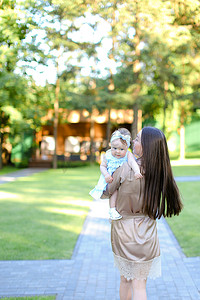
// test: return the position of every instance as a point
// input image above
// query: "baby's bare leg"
(114, 214)
(113, 199)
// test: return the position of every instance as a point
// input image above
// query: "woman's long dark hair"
(161, 194)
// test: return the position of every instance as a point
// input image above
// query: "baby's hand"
(108, 178)
(138, 175)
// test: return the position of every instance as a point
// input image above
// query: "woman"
(134, 238)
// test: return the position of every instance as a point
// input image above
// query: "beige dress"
(134, 238)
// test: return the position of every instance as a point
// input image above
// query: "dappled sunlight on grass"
(73, 212)
(185, 162)
(64, 226)
(79, 202)
(58, 185)
(186, 170)
(15, 237)
(7, 195)
(186, 225)
(8, 169)
(42, 215)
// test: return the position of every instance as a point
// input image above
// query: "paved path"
(187, 178)
(20, 173)
(90, 274)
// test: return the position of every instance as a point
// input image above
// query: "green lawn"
(7, 169)
(186, 226)
(186, 170)
(42, 215)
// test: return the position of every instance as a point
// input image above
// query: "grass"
(186, 170)
(186, 226)
(175, 155)
(8, 169)
(42, 215)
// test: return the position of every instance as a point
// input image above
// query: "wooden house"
(74, 134)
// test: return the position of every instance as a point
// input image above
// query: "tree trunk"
(92, 133)
(55, 123)
(165, 104)
(182, 134)
(108, 129)
(1, 141)
(111, 86)
(182, 117)
(136, 71)
(92, 128)
(182, 142)
(56, 111)
(134, 127)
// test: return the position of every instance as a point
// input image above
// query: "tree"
(130, 29)
(60, 31)
(13, 31)
(19, 101)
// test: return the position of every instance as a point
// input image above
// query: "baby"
(113, 159)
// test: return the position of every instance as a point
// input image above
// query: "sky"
(48, 73)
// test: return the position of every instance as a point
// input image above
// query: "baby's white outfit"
(112, 164)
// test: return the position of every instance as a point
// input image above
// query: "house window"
(72, 144)
(47, 145)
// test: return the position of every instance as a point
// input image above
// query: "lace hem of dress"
(138, 270)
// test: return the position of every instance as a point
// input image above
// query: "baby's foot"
(114, 215)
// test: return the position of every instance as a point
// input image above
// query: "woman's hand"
(138, 175)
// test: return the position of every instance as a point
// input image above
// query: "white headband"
(118, 135)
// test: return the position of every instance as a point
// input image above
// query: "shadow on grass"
(39, 232)
(29, 232)
(42, 215)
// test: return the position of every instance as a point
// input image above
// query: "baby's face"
(118, 149)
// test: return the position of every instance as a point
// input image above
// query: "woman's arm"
(134, 165)
(118, 177)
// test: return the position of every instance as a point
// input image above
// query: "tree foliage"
(150, 49)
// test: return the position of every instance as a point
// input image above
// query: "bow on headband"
(118, 135)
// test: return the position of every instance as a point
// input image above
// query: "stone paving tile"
(90, 273)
